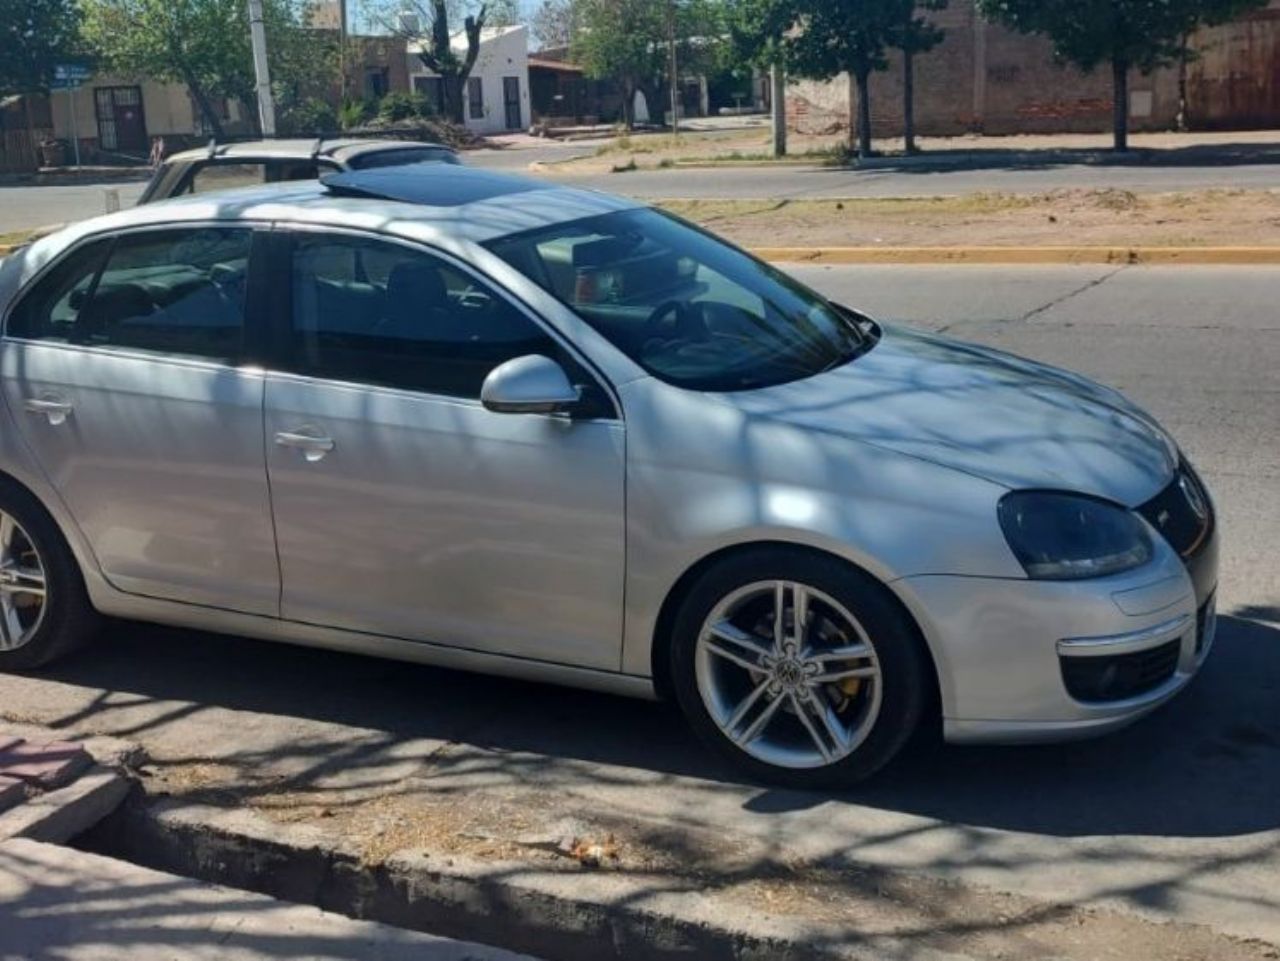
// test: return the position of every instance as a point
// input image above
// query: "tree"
(757, 31)
(622, 40)
(35, 35)
(203, 44)
(552, 24)
(1127, 34)
(915, 34)
(846, 36)
(428, 29)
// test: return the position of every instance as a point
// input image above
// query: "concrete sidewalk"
(61, 903)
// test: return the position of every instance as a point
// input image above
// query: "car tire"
(879, 711)
(67, 620)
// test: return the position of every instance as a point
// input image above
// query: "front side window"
(688, 308)
(372, 312)
(178, 292)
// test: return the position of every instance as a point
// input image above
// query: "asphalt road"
(821, 183)
(25, 207)
(1175, 818)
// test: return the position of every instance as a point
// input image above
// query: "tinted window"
(401, 156)
(687, 307)
(172, 292)
(378, 313)
(228, 176)
(51, 309)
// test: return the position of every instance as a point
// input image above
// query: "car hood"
(1002, 418)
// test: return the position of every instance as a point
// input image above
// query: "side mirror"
(529, 385)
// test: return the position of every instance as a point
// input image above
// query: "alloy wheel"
(23, 586)
(788, 674)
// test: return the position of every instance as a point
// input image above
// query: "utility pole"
(675, 79)
(778, 109)
(258, 37)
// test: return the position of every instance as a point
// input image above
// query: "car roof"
(434, 203)
(341, 148)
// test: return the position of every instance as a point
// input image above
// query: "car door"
(127, 366)
(405, 508)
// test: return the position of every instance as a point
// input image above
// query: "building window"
(377, 81)
(475, 98)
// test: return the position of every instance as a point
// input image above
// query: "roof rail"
(213, 147)
(315, 148)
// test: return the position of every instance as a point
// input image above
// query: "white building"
(497, 95)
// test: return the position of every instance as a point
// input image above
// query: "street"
(25, 207)
(1176, 818)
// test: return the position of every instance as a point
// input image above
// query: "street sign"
(67, 76)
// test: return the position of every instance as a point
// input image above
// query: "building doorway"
(511, 102)
(122, 126)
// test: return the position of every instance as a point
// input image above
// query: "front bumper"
(1025, 661)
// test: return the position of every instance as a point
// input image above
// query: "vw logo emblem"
(1191, 491)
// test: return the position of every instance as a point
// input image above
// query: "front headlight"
(1066, 537)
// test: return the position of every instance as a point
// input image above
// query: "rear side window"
(177, 292)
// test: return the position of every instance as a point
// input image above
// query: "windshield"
(687, 307)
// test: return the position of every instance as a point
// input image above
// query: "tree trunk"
(1184, 56)
(863, 81)
(452, 89)
(1120, 84)
(211, 118)
(628, 105)
(909, 100)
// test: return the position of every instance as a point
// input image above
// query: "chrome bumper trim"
(1129, 643)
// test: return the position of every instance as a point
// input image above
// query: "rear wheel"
(44, 609)
(798, 668)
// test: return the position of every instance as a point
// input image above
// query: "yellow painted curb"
(1260, 256)
(6, 249)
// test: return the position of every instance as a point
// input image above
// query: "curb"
(560, 914)
(1014, 256)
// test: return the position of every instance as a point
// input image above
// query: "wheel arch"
(660, 642)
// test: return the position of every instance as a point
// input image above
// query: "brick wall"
(985, 78)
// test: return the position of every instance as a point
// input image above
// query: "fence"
(19, 151)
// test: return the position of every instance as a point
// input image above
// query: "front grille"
(1095, 679)
(1181, 512)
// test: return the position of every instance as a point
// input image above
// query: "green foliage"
(620, 40)
(756, 30)
(552, 23)
(35, 35)
(916, 33)
(353, 113)
(311, 117)
(404, 106)
(205, 45)
(1133, 33)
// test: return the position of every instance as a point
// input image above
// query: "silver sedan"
(478, 421)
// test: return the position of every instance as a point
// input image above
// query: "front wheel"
(798, 668)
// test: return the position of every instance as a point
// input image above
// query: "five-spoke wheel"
(23, 590)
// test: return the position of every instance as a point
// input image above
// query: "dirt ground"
(558, 834)
(655, 150)
(1231, 218)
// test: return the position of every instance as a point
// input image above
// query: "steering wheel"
(687, 322)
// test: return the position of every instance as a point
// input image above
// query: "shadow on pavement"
(1199, 155)
(1206, 765)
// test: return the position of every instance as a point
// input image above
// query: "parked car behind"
(224, 166)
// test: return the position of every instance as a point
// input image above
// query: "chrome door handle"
(313, 446)
(56, 410)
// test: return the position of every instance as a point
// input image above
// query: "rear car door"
(405, 508)
(129, 368)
